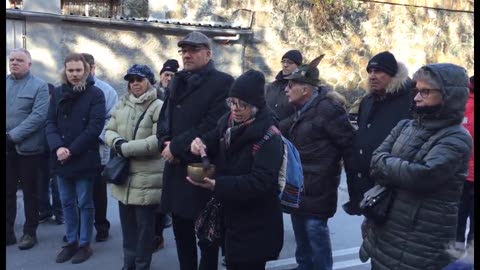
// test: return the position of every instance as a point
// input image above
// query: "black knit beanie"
(170, 65)
(294, 55)
(384, 61)
(249, 87)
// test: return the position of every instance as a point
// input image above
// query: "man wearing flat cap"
(388, 101)
(275, 92)
(322, 133)
(196, 102)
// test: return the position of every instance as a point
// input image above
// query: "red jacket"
(468, 122)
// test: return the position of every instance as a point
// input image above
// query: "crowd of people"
(413, 137)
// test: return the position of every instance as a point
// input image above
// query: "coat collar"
(130, 100)
(186, 82)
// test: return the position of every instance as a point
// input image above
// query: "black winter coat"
(247, 187)
(376, 118)
(425, 162)
(195, 103)
(276, 98)
(76, 128)
(323, 135)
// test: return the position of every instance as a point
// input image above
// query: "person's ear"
(304, 90)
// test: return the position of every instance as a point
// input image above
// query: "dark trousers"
(138, 229)
(159, 224)
(465, 211)
(102, 225)
(45, 184)
(246, 266)
(184, 231)
(26, 169)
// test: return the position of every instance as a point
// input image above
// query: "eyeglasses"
(288, 62)
(291, 84)
(241, 105)
(133, 79)
(425, 92)
(191, 50)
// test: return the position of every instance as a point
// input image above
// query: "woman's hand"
(166, 153)
(207, 183)
(197, 147)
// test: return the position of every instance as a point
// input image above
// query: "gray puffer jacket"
(425, 161)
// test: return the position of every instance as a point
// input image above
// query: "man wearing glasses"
(196, 102)
(275, 92)
(389, 100)
(322, 133)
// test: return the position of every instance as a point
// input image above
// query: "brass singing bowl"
(196, 172)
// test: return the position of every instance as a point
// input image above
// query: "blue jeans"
(79, 192)
(314, 250)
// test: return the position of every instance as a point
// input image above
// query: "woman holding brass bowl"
(131, 132)
(246, 183)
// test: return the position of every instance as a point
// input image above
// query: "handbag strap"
(140, 119)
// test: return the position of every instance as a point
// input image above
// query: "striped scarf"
(234, 127)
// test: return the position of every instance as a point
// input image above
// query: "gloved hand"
(118, 146)
(352, 207)
(10, 145)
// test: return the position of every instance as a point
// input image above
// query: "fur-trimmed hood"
(399, 81)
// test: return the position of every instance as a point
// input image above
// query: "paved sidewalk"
(344, 230)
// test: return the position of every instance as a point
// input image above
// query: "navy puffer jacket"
(76, 123)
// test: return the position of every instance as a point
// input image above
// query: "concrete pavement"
(344, 230)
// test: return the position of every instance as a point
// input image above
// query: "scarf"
(190, 79)
(234, 128)
(69, 96)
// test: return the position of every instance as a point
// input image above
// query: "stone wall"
(415, 35)
(417, 32)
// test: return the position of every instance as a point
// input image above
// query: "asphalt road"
(344, 230)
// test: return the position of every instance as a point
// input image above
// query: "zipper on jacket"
(128, 189)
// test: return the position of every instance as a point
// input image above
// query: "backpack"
(290, 176)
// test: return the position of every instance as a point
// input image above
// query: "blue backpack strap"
(290, 196)
(273, 130)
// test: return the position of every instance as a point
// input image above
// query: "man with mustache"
(388, 101)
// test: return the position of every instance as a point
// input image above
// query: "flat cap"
(195, 39)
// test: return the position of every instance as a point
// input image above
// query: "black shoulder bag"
(117, 169)
(376, 203)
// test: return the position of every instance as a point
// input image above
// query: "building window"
(92, 8)
(16, 4)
